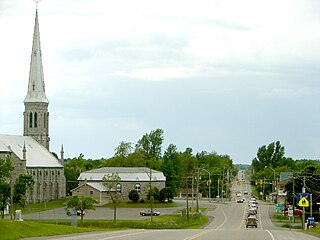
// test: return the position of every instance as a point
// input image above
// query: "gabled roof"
(36, 154)
(138, 174)
(98, 186)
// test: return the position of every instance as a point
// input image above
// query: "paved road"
(228, 224)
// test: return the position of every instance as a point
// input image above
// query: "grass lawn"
(283, 221)
(26, 229)
(143, 205)
(39, 207)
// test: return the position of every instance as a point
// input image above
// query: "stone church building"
(30, 153)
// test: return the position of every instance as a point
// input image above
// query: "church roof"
(36, 154)
(36, 89)
(125, 174)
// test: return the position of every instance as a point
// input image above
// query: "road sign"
(303, 199)
(310, 221)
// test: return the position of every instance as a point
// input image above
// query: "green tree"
(72, 170)
(271, 155)
(111, 182)
(134, 196)
(22, 184)
(123, 150)
(5, 173)
(151, 144)
(4, 197)
(5, 168)
(166, 194)
(172, 167)
(80, 204)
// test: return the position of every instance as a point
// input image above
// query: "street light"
(274, 177)
(209, 183)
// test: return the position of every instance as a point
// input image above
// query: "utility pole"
(197, 199)
(293, 199)
(187, 199)
(303, 208)
(151, 196)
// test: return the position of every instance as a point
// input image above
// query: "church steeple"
(36, 115)
(36, 89)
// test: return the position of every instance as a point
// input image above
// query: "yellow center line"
(199, 234)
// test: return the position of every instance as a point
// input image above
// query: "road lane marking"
(273, 238)
(225, 219)
(199, 234)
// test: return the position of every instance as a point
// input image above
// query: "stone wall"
(49, 184)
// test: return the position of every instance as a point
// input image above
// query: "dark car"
(148, 212)
(251, 222)
(73, 212)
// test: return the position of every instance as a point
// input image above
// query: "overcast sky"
(224, 76)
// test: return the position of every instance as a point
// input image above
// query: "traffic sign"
(303, 199)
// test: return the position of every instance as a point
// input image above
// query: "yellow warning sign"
(303, 202)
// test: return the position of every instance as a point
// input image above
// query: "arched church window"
(119, 188)
(44, 120)
(35, 119)
(137, 187)
(30, 120)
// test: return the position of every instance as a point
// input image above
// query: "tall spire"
(36, 89)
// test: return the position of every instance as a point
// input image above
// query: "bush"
(166, 194)
(134, 196)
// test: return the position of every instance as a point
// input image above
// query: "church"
(30, 153)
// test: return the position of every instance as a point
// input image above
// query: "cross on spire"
(37, 3)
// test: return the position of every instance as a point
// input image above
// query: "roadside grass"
(39, 207)
(160, 222)
(142, 205)
(59, 203)
(40, 228)
(25, 229)
(283, 221)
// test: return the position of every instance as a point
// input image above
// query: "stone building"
(131, 178)
(30, 153)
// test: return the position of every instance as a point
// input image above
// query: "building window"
(35, 119)
(91, 192)
(44, 120)
(137, 187)
(118, 188)
(30, 120)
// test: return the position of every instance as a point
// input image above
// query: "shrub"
(134, 196)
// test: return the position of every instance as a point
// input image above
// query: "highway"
(228, 224)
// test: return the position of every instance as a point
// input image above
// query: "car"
(148, 212)
(239, 195)
(245, 192)
(251, 222)
(73, 212)
(239, 200)
(252, 211)
(297, 211)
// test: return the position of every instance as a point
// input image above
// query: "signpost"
(303, 200)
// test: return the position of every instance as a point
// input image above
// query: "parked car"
(148, 212)
(239, 200)
(296, 212)
(72, 212)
